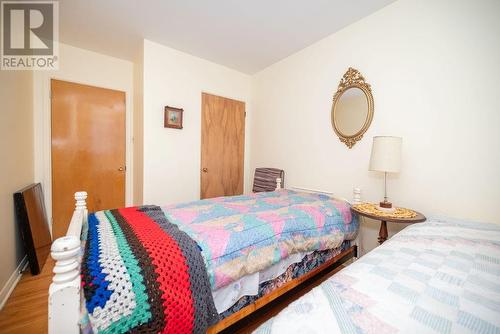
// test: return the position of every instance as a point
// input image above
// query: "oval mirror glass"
(351, 111)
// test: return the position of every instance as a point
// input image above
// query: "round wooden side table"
(382, 233)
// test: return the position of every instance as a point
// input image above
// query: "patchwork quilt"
(241, 235)
(152, 269)
(442, 276)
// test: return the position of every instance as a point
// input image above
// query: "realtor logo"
(30, 34)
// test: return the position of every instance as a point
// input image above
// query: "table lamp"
(386, 157)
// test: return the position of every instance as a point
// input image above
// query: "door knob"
(205, 170)
(121, 169)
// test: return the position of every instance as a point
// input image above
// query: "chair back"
(265, 179)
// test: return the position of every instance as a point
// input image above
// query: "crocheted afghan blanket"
(140, 273)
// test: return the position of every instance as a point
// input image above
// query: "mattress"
(308, 263)
(248, 288)
(248, 285)
(441, 276)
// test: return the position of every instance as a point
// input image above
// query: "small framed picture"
(173, 117)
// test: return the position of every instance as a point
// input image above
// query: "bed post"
(278, 183)
(356, 196)
(64, 291)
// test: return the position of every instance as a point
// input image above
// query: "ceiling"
(247, 36)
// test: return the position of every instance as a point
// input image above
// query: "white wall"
(16, 167)
(84, 67)
(171, 156)
(434, 69)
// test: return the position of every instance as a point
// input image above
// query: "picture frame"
(33, 225)
(173, 117)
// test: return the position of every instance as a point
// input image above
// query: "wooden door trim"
(42, 134)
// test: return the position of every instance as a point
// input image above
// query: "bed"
(442, 276)
(195, 266)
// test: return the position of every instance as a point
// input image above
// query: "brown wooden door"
(222, 146)
(88, 149)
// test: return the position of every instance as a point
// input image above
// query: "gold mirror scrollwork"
(345, 109)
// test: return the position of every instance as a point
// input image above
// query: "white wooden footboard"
(64, 292)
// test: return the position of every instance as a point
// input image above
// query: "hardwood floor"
(26, 309)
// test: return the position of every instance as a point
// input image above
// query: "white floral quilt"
(442, 276)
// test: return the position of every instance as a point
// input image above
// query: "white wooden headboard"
(356, 194)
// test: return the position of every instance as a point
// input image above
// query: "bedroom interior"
(267, 167)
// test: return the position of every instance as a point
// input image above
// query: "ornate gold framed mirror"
(352, 108)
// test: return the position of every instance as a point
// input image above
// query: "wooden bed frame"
(65, 289)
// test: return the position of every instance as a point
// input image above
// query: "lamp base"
(385, 204)
(386, 207)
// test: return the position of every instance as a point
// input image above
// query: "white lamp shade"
(386, 154)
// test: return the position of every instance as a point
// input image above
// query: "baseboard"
(12, 282)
